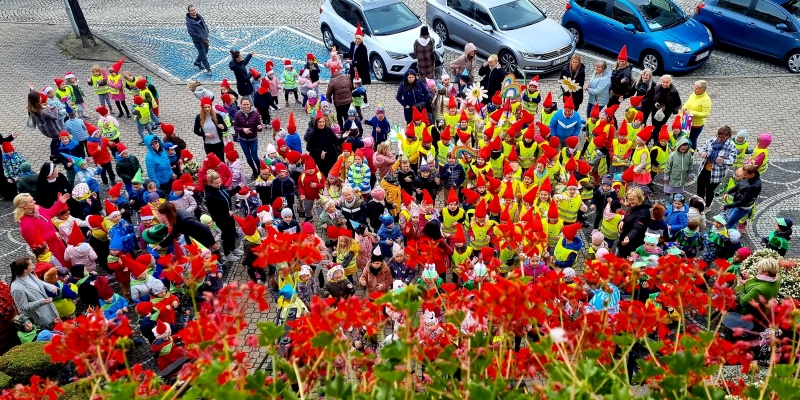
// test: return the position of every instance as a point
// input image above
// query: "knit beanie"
(658, 211)
(286, 212)
(378, 193)
(597, 237)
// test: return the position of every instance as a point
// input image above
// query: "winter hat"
(8, 147)
(155, 234)
(569, 273)
(378, 193)
(121, 148)
(111, 209)
(212, 161)
(744, 252)
(307, 228)
(146, 213)
(136, 268)
(597, 237)
(177, 186)
(650, 239)
(103, 289)
(144, 308)
(376, 257)
(784, 222)
(271, 149)
(658, 211)
(141, 84)
(81, 192)
(286, 212)
(386, 220)
(162, 330)
(606, 180)
(601, 253)
(42, 268)
(45, 335)
(151, 197)
(280, 167)
(742, 134)
(764, 139)
(368, 141)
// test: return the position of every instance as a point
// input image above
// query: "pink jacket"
(382, 163)
(274, 85)
(41, 229)
(82, 254)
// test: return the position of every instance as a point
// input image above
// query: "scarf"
(349, 204)
(9, 156)
(173, 196)
(716, 148)
(765, 278)
(374, 271)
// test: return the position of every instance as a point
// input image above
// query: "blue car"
(658, 34)
(769, 28)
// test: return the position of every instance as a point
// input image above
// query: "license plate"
(702, 55)
(560, 60)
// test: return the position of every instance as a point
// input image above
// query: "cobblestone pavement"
(756, 103)
(304, 16)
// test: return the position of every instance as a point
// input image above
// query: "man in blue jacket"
(198, 30)
(566, 122)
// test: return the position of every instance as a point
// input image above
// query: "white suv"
(390, 29)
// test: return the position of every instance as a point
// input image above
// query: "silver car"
(522, 36)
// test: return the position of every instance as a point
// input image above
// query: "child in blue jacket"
(389, 235)
(380, 125)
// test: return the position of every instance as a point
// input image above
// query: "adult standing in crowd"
(182, 222)
(666, 101)
(220, 205)
(423, 49)
(620, 78)
(339, 94)
(699, 105)
(209, 125)
(634, 224)
(717, 154)
(465, 61)
(576, 71)
(359, 60)
(247, 124)
(566, 122)
(36, 226)
(322, 145)
(157, 163)
(493, 74)
(744, 195)
(32, 296)
(198, 30)
(598, 87)
(412, 93)
(45, 118)
(238, 65)
(50, 184)
(644, 85)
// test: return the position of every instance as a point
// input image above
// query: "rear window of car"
(598, 6)
(737, 6)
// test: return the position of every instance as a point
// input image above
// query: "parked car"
(390, 29)
(521, 35)
(659, 35)
(769, 28)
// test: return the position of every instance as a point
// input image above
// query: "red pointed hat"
(663, 134)
(446, 133)
(116, 190)
(571, 165)
(494, 205)
(463, 136)
(636, 101)
(291, 126)
(508, 192)
(676, 123)
(359, 31)
(628, 175)
(572, 182)
(459, 236)
(623, 54)
(506, 215)
(463, 117)
(646, 133)
(571, 142)
(568, 104)
(507, 168)
(136, 268)
(584, 167)
(595, 111)
(118, 65)
(480, 209)
(537, 223)
(426, 197)
(249, 224)
(470, 196)
(225, 83)
(407, 199)
(426, 137)
(528, 217)
(75, 236)
(110, 207)
(623, 130)
(552, 210)
(546, 186)
(452, 197)
(571, 230)
(452, 102)
(512, 156)
(410, 132)
(531, 196)
(481, 181)
(548, 100)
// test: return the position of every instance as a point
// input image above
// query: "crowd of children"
(493, 165)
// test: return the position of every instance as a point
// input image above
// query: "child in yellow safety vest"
(452, 215)
(659, 153)
(609, 224)
(531, 97)
(480, 230)
(565, 252)
(99, 82)
(621, 150)
(570, 202)
(527, 148)
(549, 108)
(760, 156)
(462, 253)
(552, 225)
(641, 158)
(742, 148)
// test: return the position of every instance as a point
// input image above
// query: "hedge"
(29, 359)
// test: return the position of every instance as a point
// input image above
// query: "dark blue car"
(766, 27)
(658, 34)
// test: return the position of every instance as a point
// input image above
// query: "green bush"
(78, 390)
(5, 381)
(29, 359)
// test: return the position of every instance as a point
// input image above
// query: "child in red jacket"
(310, 185)
(97, 147)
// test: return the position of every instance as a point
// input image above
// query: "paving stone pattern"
(743, 103)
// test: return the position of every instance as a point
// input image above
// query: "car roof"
(494, 3)
(372, 4)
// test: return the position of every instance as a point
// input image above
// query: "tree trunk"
(83, 27)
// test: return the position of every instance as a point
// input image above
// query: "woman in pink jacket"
(35, 224)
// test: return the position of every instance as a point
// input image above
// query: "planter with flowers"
(8, 334)
(789, 274)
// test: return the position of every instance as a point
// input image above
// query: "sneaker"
(230, 258)
(238, 252)
(277, 107)
(209, 73)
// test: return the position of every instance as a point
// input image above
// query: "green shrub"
(5, 381)
(29, 359)
(78, 390)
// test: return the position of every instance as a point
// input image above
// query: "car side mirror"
(781, 27)
(630, 28)
(487, 28)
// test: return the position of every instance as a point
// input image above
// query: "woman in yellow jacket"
(699, 105)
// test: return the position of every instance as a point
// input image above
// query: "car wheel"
(652, 60)
(327, 38)
(793, 62)
(378, 67)
(508, 61)
(441, 29)
(577, 35)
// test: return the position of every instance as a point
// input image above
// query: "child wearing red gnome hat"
(164, 347)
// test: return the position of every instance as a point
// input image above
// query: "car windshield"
(516, 14)
(659, 14)
(793, 7)
(391, 19)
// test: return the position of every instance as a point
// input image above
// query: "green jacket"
(753, 289)
(678, 165)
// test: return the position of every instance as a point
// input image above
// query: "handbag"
(659, 115)
(31, 123)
